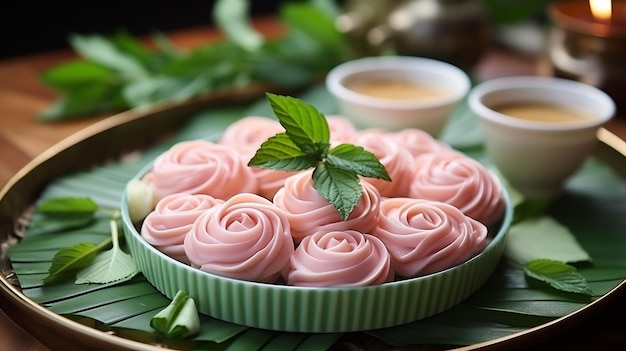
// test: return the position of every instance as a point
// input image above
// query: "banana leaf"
(592, 207)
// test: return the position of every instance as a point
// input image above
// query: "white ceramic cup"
(537, 157)
(367, 111)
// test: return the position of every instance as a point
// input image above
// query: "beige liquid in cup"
(544, 113)
(395, 89)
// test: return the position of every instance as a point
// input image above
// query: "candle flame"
(601, 9)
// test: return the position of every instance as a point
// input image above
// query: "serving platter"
(101, 147)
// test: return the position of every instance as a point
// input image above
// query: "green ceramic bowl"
(317, 310)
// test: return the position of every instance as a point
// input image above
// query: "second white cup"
(539, 130)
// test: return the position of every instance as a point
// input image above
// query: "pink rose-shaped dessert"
(246, 238)
(246, 136)
(425, 236)
(200, 167)
(397, 160)
(166, 227)
(309, 212)
(340, 258)
(419, 142)
(341, 129)
(461, 181)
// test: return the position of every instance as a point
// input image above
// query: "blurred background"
(29, 27)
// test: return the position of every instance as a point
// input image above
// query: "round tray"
(137, 129)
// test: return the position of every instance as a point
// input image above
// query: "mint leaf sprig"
(305, 144)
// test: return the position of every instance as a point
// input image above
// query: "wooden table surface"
(22, 137)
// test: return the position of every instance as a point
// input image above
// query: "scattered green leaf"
(559, 275)
(543, 237)
(69, 260)
(305, 144)
(68, 206)
(179, 319)
(109, 266)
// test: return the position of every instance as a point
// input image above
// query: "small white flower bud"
(140, 198)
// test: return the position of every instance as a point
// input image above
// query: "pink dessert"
(308, 212)
(167, 225)
(418, 142)
(200, 167)
(341, 130)
(397, 160)
(425, 236)
(461, 181)
(246, 136)
(340, 258)
(246, 238)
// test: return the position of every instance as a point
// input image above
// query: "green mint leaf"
(231, 16)
(109, 266)
(303, 123)
(559, 275)
(179, 319)
(358, 160)
(280, 153)
(67, 261)
(70, 206)
(74, 75)
(340, 187)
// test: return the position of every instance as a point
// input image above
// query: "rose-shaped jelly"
(200, 167)
(166, 227)
(246, 238)
(461, 181)
(340, 258)
(419, 142)
(309, 212)
(247, 134)
(425, 236)
(397, 160)
(341, 129)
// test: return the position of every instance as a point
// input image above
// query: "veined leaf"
(109, 266)
(558, 275)
(340, 187)
(303, 123)
(69, 260)
(357, 159)
(280, 153)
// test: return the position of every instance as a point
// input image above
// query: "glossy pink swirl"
(246, 238)
(425, 236)
(166, 227)
(308, 212)
(247, 134)
(419, 142)
(341, 130)
(461, 181)
(340, 258)
(397, 160)
(200, 167)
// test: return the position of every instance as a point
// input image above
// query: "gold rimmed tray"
(137, 129)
